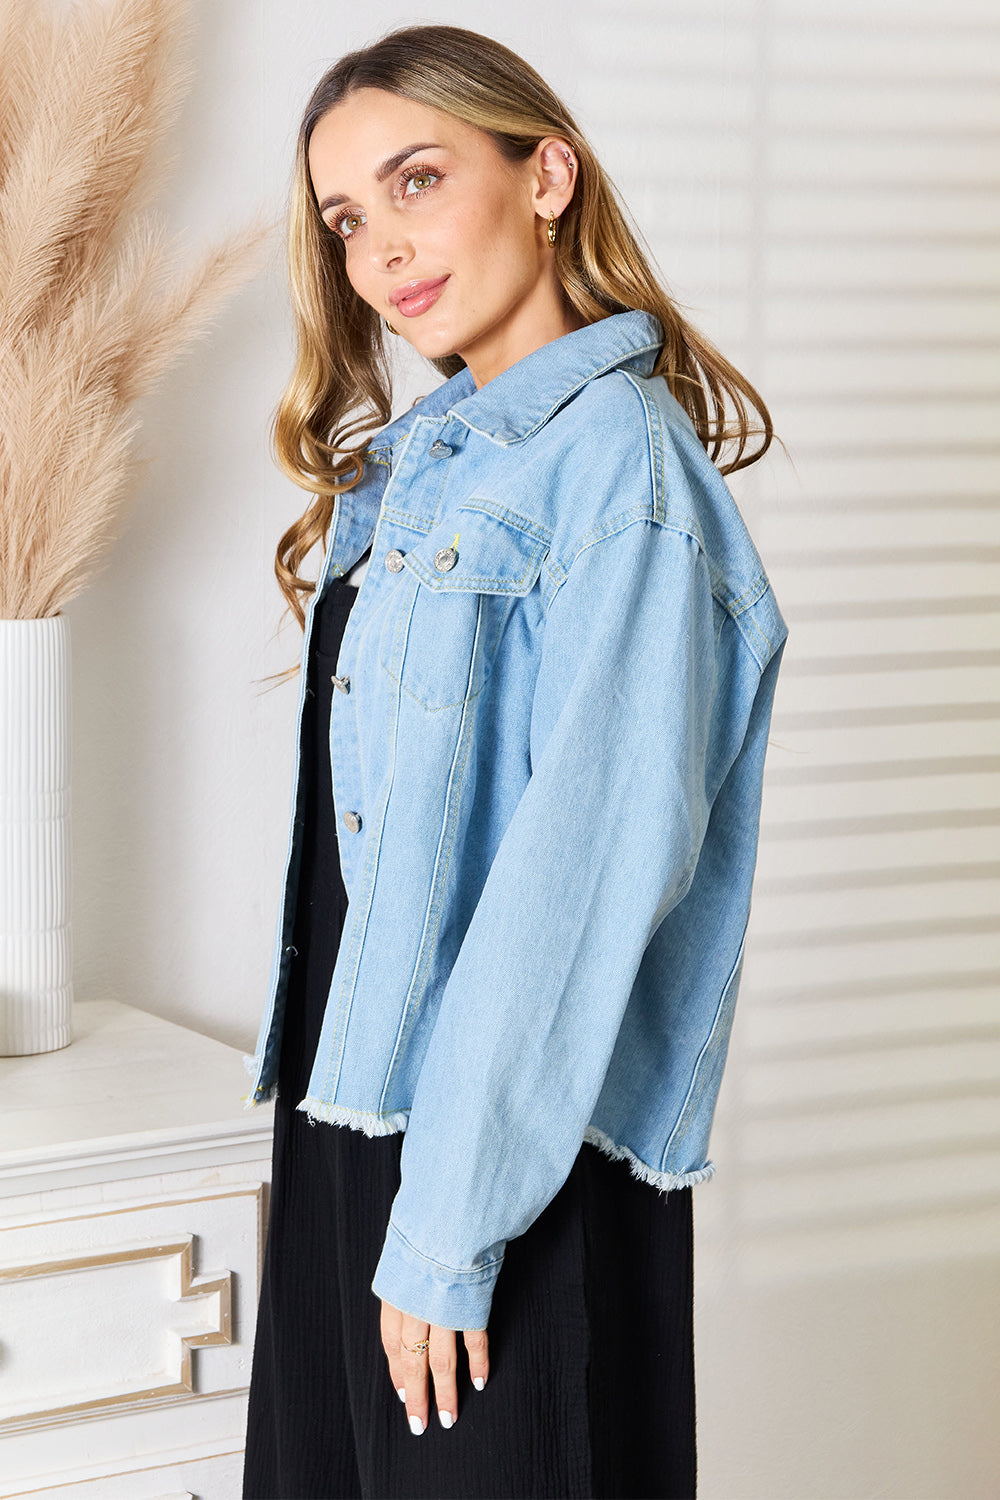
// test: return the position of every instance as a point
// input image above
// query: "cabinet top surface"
(127, 1077)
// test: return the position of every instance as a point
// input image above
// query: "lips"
(415, 297)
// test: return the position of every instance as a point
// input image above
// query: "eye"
(337, 224)
(415, 174)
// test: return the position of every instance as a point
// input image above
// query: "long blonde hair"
(341, 362)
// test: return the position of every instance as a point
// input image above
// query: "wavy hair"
(341, 365)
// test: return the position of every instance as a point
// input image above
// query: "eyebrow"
(383, 170)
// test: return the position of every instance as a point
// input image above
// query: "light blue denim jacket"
(547, 751)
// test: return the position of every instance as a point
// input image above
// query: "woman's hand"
(408, 1371)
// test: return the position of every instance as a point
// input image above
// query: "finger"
(414, 1365)
(390, 1323)
(478, 1346)
(443, 1362)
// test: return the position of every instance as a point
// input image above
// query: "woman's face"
(418, 196)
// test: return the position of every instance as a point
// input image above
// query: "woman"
(538, 728)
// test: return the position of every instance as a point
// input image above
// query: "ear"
(555, 174)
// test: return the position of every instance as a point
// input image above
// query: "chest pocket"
(451, 600)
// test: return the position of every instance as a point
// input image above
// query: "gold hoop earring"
(389, 326)
(552, 227)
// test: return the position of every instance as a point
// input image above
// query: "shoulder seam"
(654, 434)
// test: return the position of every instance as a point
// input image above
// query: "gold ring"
(420, 1347)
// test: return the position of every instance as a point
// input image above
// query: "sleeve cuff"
(431, 1292)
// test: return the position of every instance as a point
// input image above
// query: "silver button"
(445, 559)
(343, 683)
(353, 821)
(440, 449)
(394, 560)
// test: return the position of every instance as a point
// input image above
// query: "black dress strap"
(322, 899)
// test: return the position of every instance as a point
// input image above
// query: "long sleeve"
(603, 843)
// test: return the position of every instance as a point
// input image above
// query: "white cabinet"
(132, 1218)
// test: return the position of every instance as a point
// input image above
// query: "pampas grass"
(94, 302)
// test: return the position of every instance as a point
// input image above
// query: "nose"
(388, 244)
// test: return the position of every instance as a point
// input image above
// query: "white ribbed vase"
(36, 987)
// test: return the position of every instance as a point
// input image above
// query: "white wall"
(820, 186)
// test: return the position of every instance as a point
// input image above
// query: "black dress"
(591, 1386)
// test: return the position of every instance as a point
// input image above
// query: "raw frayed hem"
(663, 1180)
(262, 1096)
(368, 1122)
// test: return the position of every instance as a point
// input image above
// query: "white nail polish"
(401, 1393)
(447, 1420)
(416, 1426)
(478, 1382)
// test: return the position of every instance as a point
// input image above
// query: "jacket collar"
(522, 398)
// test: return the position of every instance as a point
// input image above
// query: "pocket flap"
(492, 555)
